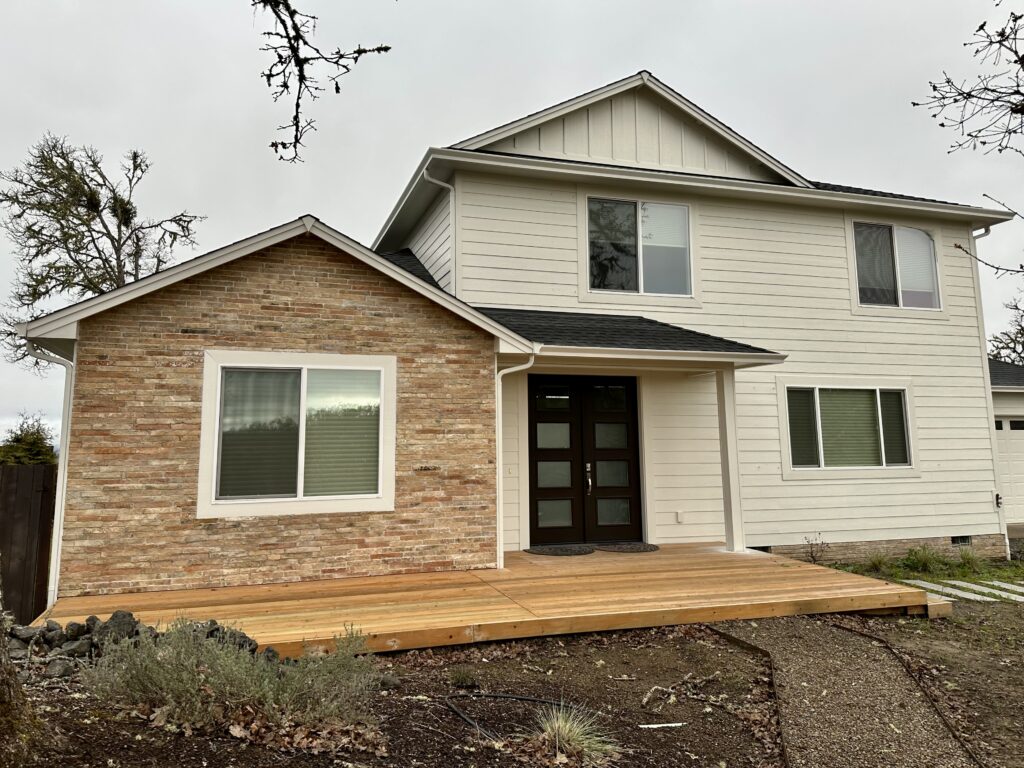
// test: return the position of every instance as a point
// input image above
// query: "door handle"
(590, 479)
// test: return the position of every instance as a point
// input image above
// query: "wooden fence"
(27, 498)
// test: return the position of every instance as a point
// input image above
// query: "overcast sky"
(825, 87)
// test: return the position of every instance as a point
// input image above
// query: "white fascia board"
(739, 359)
(414, 183)
(620, 86)
(712, 185)
(63, 323)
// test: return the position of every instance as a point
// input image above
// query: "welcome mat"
(561, 550)
(629, 546)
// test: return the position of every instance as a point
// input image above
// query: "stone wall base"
(991, 545)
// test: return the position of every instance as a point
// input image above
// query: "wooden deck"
(532, 596)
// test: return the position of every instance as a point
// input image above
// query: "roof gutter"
(451, 221)
(499, 426)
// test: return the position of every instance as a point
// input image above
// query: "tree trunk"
(17, 723)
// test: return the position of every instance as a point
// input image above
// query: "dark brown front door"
(584, 459)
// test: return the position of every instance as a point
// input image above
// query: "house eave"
(727, 359)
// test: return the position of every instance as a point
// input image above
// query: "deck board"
(533, 595)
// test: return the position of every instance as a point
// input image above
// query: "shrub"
(185, 678)
(970, 562)
(879, 563)
(926, 560)
(463, 676)
(567, 730)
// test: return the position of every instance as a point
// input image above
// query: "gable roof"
(603, 331)
(52, 331)
(645, 80)
(1003, 375)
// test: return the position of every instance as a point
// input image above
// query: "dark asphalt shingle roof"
(1005, 374)
(826, 187)
(585, 329)
(406, 260)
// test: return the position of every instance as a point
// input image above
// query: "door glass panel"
(554, 513)
(610, 397)
(610, 436)
(613, 511)
(553, 435)
(613, 473)
(552, 398)
(554, 474)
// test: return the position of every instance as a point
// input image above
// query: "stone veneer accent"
(989, 545)
(130, 519)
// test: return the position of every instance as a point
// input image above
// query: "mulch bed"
(719, 691)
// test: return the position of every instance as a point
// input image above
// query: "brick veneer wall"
(130, 520)
(990, 545)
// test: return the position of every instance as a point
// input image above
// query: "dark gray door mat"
(628, 546)
(561, 550)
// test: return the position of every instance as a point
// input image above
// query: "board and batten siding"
(636, 128)
(777, 277)
(431, 240)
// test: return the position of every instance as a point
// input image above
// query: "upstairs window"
(896, 267)
(833, 427)
(639, 247)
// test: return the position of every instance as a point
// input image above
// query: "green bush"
(879, 563)
(970, 562)
(185, 678)
(926, 560)
(463, 676)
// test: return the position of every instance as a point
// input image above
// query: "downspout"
(498, 452)
(62, 468)
(451, 224)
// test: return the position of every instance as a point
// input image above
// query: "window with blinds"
(896, 266)
(298, 433)
(844, 427)
(639, 247)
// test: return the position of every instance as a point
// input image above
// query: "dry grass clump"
(185, 679)
(569, 733)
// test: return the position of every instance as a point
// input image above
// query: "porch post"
(725, 383)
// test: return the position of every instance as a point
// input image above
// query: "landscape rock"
(91, 624)
(120, 625)
(14, 644)
(25, 634)
(54, 638)
(74, 630)
(17, 655)
(270, 655)
(60, 668)
(77, 648)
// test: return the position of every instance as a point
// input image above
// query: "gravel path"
(846, 701)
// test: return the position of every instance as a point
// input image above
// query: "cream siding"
(514, 446)
(1010, 443)
(431, 240)
(777, 277)
(636, 128)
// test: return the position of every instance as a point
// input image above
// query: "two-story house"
(613, 320)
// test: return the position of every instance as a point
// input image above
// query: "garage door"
(1010, 440)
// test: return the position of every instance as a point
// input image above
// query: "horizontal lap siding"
(777, 277)
(431, 241)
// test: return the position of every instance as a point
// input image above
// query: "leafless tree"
(1008, 345)
(77, 231)
(290, 42)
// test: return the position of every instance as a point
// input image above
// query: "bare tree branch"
(77, 232)
(291, 72)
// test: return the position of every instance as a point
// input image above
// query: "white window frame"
(638, 297)
(215, 361)
(789, 472)
(898, 310)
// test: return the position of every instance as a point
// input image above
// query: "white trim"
(732, 503)
(500, 453)
(207, 503)
(64, 321)
(61, 491)
(785, 382)
(640, 79)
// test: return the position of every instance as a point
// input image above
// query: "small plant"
(463, 676)
(879, 563)
(187, 679)
(970, 562)
(567, 731)
(926, 560)
(816, 548)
